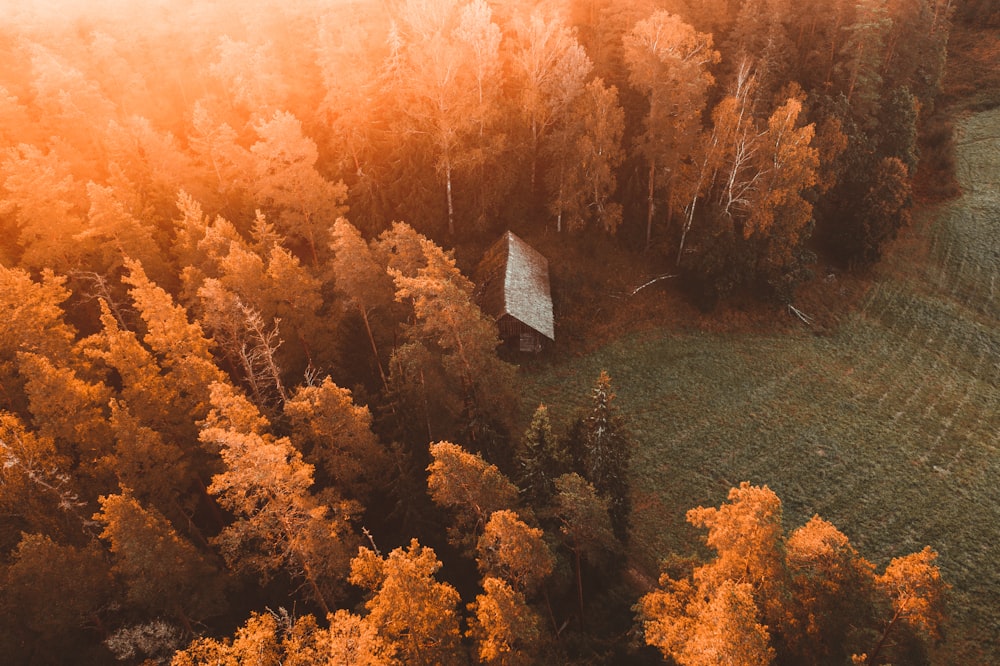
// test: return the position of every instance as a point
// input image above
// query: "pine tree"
(540, 459)
(288, 185)
(37, 492)
(353, 640)
(358, 276)
(180, 345)
(33, 321)
(280, 524)
(52, 594)
(256, 642)
(585, 523)
(113, 232)
(163, 572)
(607, 450)
(468, 485)
(809, 598)
(143, 385)
(39, 189)
(452, 339)
(155, 468)
(67, 409)
(335, 434)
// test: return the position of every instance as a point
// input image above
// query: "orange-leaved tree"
(807, 598)
(407, 606)
(505, 629)
(514, 551)
(469, 486)
(279, 523)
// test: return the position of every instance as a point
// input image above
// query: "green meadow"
(888, 426)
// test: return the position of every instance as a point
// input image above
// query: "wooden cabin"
(512, 286)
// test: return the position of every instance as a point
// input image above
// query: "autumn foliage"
(807, 597)
(240, 353)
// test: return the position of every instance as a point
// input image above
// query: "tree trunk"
(451, 205)
(552, 616)
(579, 585)
(185, 621)
(534, 154)
(315, 589)
(885, 635)
(427, 410)
(684, 231)
(312, 242)
(371, 339)
(562, 185)
(650, 203)
(670, 202)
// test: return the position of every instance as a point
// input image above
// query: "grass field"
(888, 426)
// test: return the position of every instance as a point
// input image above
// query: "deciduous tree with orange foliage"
(408, 607)
(514, 551)
(505, 629)
(807, 598)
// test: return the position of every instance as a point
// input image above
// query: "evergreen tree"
(154, 467)
(279, 523)
(584, 523)
(453, 341)
(163, 572)
(33, 321)
(52, 594)
(541, 459)
(335, 434)
(607, 450)
(180, 344)
(37, 493)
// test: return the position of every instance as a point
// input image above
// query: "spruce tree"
(540, 459)
(606, 453)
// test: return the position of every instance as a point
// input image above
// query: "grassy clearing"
(889, 426)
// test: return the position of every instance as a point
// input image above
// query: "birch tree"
(586, 155)
(550, 68)
(668, 62)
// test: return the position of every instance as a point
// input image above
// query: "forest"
(250, 411)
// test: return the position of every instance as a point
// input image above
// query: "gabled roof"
(513, 279)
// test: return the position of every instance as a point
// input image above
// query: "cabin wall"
(519, 336)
